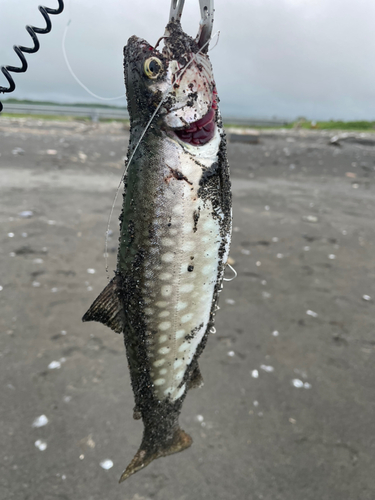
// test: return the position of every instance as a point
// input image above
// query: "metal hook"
(176, 10)
(206, 24)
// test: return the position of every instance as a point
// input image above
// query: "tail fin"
(180, 441)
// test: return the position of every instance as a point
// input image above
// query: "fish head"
(178, 80)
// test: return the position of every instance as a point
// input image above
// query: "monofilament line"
(234, 272)
(76, 77)
(165, 95)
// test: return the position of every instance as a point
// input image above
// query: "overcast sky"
(284, 58)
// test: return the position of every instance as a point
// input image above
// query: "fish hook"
(176, 10)
(205, 25)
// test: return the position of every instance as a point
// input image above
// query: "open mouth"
(199, 132)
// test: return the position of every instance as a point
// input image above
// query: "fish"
(175, 232)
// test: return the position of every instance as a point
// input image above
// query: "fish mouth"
(200, 132)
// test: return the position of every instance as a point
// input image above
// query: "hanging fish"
(175, 229)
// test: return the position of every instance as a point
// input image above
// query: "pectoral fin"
(107, 308)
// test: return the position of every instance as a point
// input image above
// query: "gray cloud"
(282, 58)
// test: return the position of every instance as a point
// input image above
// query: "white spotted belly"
(182, 288)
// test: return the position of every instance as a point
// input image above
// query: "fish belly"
(174, 239)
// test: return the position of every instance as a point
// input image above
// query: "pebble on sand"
(106, 464)
(18, 151)
(54, 365)
(267, 368)
(313, 314)
(296, 382)
(25, 214)
(310, 218)
(41, 445)
(40, 421)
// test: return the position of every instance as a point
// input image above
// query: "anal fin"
(196, 379)
(107, 308)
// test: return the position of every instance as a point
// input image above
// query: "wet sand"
(287, 409)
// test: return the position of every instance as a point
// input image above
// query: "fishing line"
(217, 41)
(179, 75)
(76, 77)
(234, 272)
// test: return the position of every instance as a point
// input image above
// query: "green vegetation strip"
(50, 103)
(352, 126)
(335, 125)
(61, 118)
(357, 126)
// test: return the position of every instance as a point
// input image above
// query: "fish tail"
(145, 455)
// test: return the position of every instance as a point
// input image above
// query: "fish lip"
(200, 132)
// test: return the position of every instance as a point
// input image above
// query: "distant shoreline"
(102, 112)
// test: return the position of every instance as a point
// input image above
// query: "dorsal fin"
(107, 308)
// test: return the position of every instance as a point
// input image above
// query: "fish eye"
(153, 67)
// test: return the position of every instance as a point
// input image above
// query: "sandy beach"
(287, 408)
